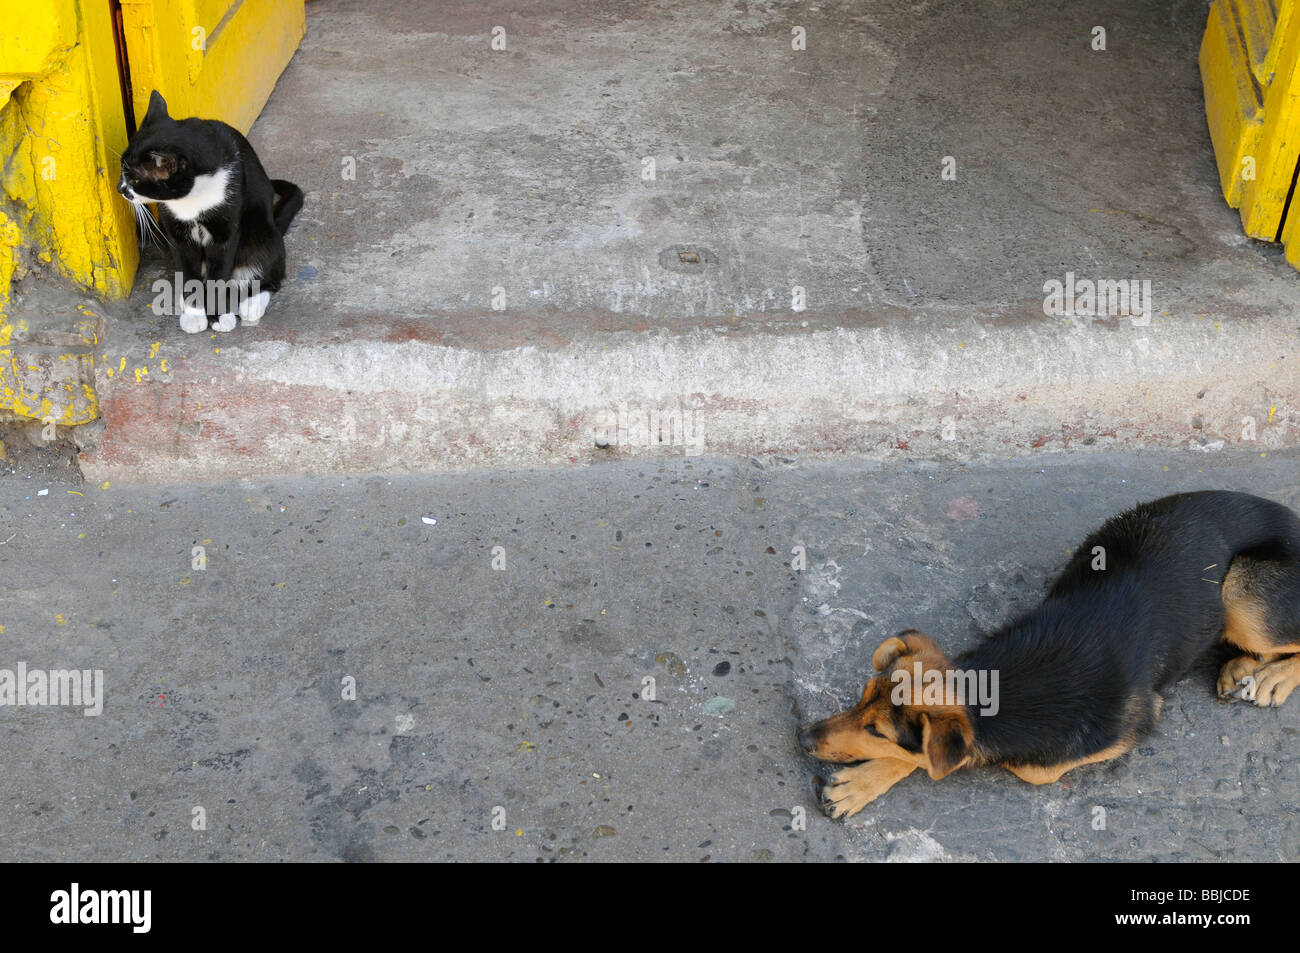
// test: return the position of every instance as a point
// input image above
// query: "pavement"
(459, 666)
(384, 577)
(486, 274)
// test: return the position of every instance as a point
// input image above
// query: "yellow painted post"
(61, 128)
(1232, 107)
(1250, 70)
(218, 59)
(1263, 199)
(1291, 237)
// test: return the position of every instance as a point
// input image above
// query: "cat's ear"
(157, 107)
(163, 165)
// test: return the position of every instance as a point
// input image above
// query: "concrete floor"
(521, 170)
(821, 168)
(518, 688)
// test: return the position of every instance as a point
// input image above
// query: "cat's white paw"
(226, 322)
(194, 320)
(251, 309)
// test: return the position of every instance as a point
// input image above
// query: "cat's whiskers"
(142, 214)
(143, 229)
(149, 227)
(157, 229)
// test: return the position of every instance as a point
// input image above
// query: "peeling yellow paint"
(60, 124)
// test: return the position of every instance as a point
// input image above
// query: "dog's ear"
(946, 740)
(889, 650)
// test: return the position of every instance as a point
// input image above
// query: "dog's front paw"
(1238, 679)
(853, 788)
(1267, 684)
(226, 322)
(1274, 682)
(194, 320)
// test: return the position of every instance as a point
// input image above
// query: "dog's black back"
(1139, 601)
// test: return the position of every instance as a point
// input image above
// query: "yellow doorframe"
(218, 60)
(1250, 71)
(61, 130)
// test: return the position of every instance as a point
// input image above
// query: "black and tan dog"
(1079, 678)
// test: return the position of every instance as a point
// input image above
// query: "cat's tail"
(288, 201)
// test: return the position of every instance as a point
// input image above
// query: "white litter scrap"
(429, 519)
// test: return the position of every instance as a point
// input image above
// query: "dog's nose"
(808, 739)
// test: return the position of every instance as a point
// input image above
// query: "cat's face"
(156, 166)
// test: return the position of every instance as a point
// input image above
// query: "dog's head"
(890, 720)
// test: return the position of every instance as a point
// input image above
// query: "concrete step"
(276, 400)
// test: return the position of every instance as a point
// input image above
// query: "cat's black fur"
(214, 234)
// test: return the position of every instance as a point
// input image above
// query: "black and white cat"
(223, 218)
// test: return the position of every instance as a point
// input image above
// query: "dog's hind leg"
(1046, 774)
(1261, 599)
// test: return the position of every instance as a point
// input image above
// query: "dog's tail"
(288, 201)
